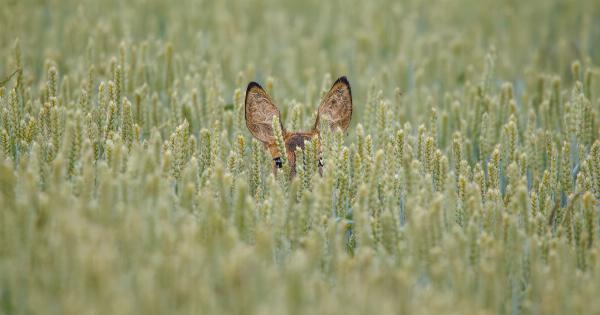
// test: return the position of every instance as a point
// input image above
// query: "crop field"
(467, 180)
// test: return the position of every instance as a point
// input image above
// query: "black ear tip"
(253, 84)
(343, 80)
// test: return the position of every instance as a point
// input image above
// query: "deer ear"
(336, 106)
(259, 111)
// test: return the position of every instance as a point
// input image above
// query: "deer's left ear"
(336, 106)
(259, 112)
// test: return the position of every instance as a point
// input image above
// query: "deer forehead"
(296, 139)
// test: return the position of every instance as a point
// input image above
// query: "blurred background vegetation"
(440, 42)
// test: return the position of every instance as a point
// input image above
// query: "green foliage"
(469, 181)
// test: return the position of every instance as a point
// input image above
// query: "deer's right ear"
(259, 111)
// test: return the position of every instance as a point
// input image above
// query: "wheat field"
(468, 181)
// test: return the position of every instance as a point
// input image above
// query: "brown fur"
(336, 106)
(259, 111)
(335, 109)
(292, 141)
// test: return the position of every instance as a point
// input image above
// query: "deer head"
(335, 109)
